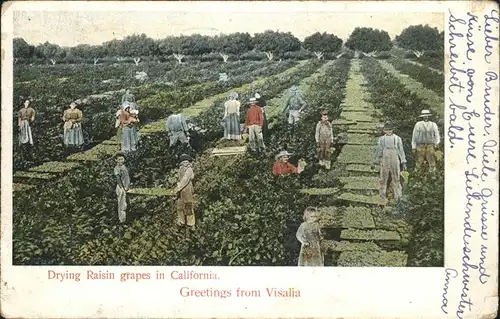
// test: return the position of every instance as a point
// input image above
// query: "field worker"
(263, 105)
(185, 192)
(253, 123)
(309, 235)
(118, 123)
(283, 167)
(128, 122)
(73, 134)
(425, 139)
(26, 116)
(295, 104)
(122, 186)
(232, 117)
(390, 150)
(128, 97)
(177, 129)
(324, 140)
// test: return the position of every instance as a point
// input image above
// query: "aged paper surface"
(143, 173)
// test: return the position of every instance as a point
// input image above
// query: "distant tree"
(50, 51)
(369, 40)
(22, 49)
(319, 43)
(421, 38)
(275, 42)
(235, 43)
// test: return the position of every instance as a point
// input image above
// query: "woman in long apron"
(73, 133)
(129, 129)
(232, 129)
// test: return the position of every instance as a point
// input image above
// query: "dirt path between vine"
(359, 230)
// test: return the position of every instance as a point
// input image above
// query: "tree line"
(273, 44)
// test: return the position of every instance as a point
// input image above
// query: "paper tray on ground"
(226, 151)
(152, 191)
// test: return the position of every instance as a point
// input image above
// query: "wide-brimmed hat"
(388, 127)
(185, 157)
(425, 113)
(252, 100)
(283, 153)
(295, 88)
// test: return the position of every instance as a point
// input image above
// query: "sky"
(70, 28)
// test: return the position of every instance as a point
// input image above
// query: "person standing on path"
(26, 116)
(424, 140)
(130, 137)
(294, 105)
(232, 118)
(73, 133)
(122, 186)
(389, 153)
(177, 129)
(324, 140)
(309, 235)
(283, 167)
(253, 123)
(185, 192)
(263, 105)
(128, 97)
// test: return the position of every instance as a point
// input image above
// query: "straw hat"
(425, 113)
(283, 153)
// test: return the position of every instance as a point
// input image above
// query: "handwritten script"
(471, 138)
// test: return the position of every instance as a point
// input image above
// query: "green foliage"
(322, 42)
(428, 78)
(244, 212)
(276, 42)
(424, 209)
(369, 40)
(421, 37)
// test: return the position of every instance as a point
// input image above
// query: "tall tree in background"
(50, 51)
(421, 38)
(369, 40)
(319, 43)
(22, 49)
(275, 42)
(235, 43)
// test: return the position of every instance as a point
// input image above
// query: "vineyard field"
(64, 202)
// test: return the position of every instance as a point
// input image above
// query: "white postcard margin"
(455, 290)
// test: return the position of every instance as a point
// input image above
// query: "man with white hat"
(295, 104)
(253, 123)
(425, 139)
(389, 153)
(283, 167)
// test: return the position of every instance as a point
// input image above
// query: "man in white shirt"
(425, 139)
